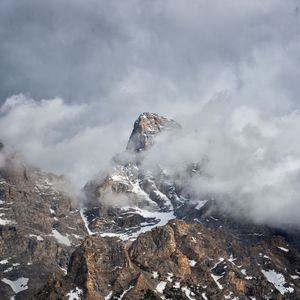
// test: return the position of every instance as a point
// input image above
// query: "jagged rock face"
(39, 228)
(182, 261)
(146, 127)
(131, 199)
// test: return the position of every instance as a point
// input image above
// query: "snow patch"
(5, 221)
(38, 237)
(161, 287)
(136, 189)
(221, 259)
(192, 263)
(163, 197)
(62, 239)
(243, 271)
(17, 285)
(163, 217)
(124, 293)
(108, 296)
(216, 278)
(278, 281)
(8, 270)
(232, 259)
(188, 293)
(203, 295)
(4, 261)
(169, 277)
(75, 294)
(85, 221)
(229, 296)
(200, 204)
(64, 270)
(283, 249)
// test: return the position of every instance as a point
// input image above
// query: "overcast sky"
(149, 53)
(74, 75)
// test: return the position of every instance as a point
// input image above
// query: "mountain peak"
(145, 128)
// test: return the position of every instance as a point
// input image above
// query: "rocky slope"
(39, 228)
(132, 199)
(181, 261)
(139, 235)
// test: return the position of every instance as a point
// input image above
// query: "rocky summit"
(137, 233)
(146, 128)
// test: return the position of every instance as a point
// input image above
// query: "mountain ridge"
(137, 235)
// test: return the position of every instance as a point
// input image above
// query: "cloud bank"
(59, 137)
(249, 163)
(76, 74)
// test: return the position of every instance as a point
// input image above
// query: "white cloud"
(59, 137)
(249, 163)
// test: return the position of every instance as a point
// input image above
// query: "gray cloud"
(249, 163)
(130, 53)
(208, 64)
(60, 137)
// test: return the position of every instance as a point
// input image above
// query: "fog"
(250, 164)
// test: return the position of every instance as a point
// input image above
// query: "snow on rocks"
(4, 261)
(221, 259)
(17, 285)
(200, 204)
(38, 237)
(278, 281)
(192, 263)
(188, 293)
(203, 295)
(229, 296)
(216, 279)
(4, 221)
(162, 218)
(164, 198)
(141, 194)
(243, 271)
(108, 296)
(161, 287)
(232, 259)
(85, 221)
(124, 293)
(283, 249)
(62, 239)
(75, 294)
(169, 277)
